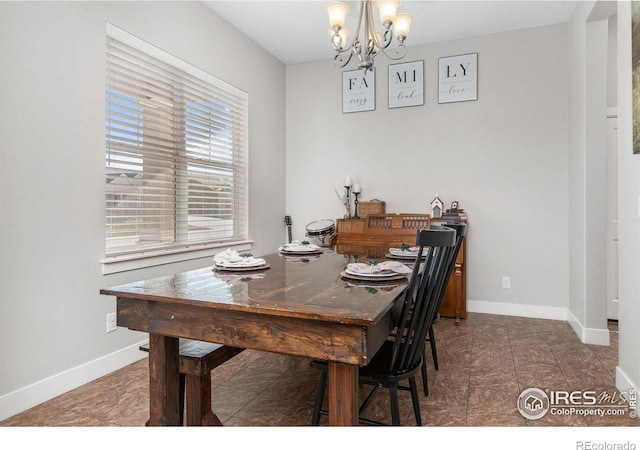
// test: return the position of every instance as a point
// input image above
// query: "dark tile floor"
(485, 362)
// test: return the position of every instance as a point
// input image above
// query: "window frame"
(183, 251)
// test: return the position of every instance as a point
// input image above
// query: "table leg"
(343, 394)
(164, 381)
(198, 399)
(458, 280)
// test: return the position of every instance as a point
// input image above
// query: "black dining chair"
(461, 231)
(401, 358)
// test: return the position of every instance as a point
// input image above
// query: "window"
(176, 153)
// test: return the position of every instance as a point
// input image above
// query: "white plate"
(404, 255)
(396, 252)
(300, 250)
(373, 275)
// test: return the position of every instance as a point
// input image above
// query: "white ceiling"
(296, 31)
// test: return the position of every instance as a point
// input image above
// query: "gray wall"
(52, 112)
(503, 157)
(587, 98)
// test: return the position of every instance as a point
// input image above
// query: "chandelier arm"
(373, 36)
(397, 53)
(360, 15)
(355, 43)
(341, 59)
(386, 40)
(336, 41)
(370, 31)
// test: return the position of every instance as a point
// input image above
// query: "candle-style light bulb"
(337, 13)
(402, 25)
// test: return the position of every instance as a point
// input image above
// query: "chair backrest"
(422, 296)
(461, 231)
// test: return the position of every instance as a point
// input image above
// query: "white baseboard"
(593, 336)
(510, 309)
(29, 396)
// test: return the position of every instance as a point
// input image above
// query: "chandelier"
(367, 42)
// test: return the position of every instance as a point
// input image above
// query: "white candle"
(347, 182)
(356, 189)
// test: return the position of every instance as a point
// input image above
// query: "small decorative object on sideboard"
(436, 207)
(356, 192)
(346, 198)
(320, 229)
(454, 213)
(374, 206)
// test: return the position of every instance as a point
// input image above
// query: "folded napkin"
(297, 246)
(231, 258)
(385, 267)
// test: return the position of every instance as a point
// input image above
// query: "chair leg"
(395, 408)
(434, 354)
(432, 341)
(425, 385)
(322, 384)
(414, 399)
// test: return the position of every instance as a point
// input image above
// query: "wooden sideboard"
(382, 231)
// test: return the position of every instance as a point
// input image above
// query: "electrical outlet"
(506, 282)
(112, 324)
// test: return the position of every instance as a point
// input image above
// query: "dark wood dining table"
(299, 305)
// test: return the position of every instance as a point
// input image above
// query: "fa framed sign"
(358, 91)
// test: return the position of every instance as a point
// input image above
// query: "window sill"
(133, 262)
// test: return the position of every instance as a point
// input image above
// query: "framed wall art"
(358, 91)
(406, 84)
(458, 78)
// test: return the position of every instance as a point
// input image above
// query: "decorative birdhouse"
(436, 207)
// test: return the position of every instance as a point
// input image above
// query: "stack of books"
(454, 215)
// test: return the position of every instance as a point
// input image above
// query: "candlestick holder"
(347, 200)
(355, 215)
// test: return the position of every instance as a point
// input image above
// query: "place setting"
(298, 248)
(374, 271)
(405, 252)
(232, 261)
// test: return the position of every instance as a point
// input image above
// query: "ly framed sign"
(358, 91)
(458, 78)
(406, 84)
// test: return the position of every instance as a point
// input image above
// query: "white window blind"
(176, 152)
